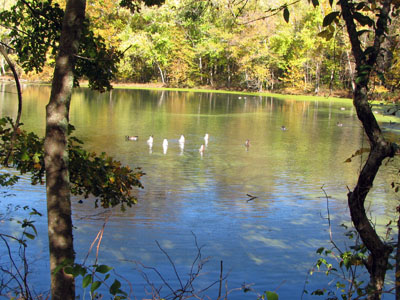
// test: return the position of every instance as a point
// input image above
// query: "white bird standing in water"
(150, 143)
(206, 139)
(181, 144)
(165, 146)
(201, 150)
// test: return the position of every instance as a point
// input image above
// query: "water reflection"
(201, 185)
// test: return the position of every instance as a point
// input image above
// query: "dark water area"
(189, 196)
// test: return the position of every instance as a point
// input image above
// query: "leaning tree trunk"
(380, 148)
(56, 155)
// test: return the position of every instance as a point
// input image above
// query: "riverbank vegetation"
(246, 45)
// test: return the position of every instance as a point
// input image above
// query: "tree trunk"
(201, 70)
(351, 72)
(3, 70)
(229, 76)
(380, 148)
(56, 155)
(161, 73)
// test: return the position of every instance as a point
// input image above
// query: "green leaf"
(319, 250)
(103, 269)
(69, 270)
(360, 79)
(57, 269)
(75, 270)
(29, 236)
(35, 212)
(95, 286)
(363, 20)
(319, 292)
(25, 156)
(79, 270)
(271, 295)
(86, 280)
(66, 262)
(286, 14)
(114, 288)
(323, 33)
(329, 18)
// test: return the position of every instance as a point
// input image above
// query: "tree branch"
(17, 83)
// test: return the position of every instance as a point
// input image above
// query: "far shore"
(294, 94)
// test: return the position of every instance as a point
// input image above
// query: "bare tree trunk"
(317, 78)
(161, 73)
(229, 76)
(351, 72)
(272, 81)
(380, 148)
(201, 69)
(3, 70)
(212, 76)
(56, 155)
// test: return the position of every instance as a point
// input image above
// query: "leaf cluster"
(95, 61)
(101, 176)
(343, 266)
(27, 150)
(268, 295)
(90, 174)
(94, 277)
(34, 29)
(34, 32)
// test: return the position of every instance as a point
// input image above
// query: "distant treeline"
(237, 45)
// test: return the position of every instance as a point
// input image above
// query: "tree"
(56, 154)
(376, 16)
(366, 59)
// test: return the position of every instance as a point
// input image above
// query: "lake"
(189, 197)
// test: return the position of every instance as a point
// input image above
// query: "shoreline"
(208, 89)
(379, 115)
(291, 94)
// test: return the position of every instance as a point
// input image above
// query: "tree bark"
(380, 148)
(56, 155)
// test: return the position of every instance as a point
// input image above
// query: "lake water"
(268, 243)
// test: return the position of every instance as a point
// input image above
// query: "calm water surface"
(268, 242)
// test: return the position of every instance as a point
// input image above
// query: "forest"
(237, 45)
